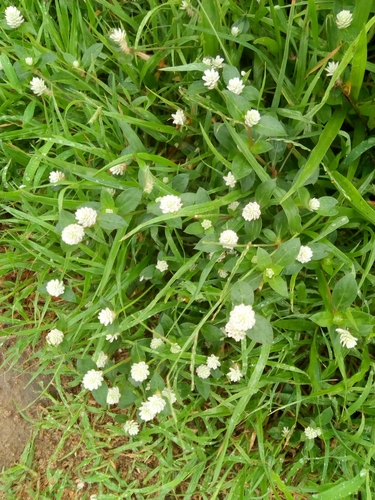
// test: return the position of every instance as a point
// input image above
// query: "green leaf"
(236, 104)
(323, 318)
(270, 127)
(263, 259)
(358, 65)
(230, 72)
(194, 228)
(100, 395)
(327, 204)
(128, 200)
(86, 364)
(211, 332)
(111, 221)
(187, 67)
(91, 54)
(278, 284)
(287, 252)
(156, 383)
(242, 293)
(241, 167)
(262, 330)
(344, 293)
(295, 325)
(127, 398)
(264, 192)
(203, 387)
(343, 489)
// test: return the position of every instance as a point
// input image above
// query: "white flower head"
(175, 348)
(206, 224)
(29, 61)
(210, 77)
(13, 17)
(179, 117)
(235, 31)
(346, 338)
(113, 337)
(169, 395)
(305, 254)
(235, 85)
(213, 362)
(232, 331)
(73, 234)
(312, 433)
(285, 432)
(55, 288)
(113, 396)
(217, 62)
(344, 19)
(222, 273)
(242, 317)
(235, 374)
(170, 204)
(186, 5)
(131, 427)
(86, 216)
(270, 273)
(108, 211)
(252, 117)
(228, 238)
(55, 177)
(251, 211)
(106, 316)
(92, 380)
(145, 412)
(111, 191)
(119, 36)
(101, 359)
(203, 371)
(38, 86)
(162, 265)
(234, 205)
(156, 343)
(314, 204)
(118, 169)
(139, 371)
(75, 64)
(80, 485)
(55, 337)
(331, 68)
(207, 61)
(230, 180)
(156, 403)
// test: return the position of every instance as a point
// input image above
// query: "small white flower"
(217, 62)
(305, 254)
(346, 338)
(80, 485)
(170, 204)
(179, 117)
(169, 395)
(38, 86)
(55, 177)
(207, 61)
(235, 85)
(213, 362)
(269, 273)
(55, 288)
(344, 19)
(235, 374)
(162, 265)
(228, 238)
(101, 360)
(131, 427)
(156, 403)
(165, 180)
(243, 73)
(210, 77)
(119, 36)
(113, 337)
(331, 68)
(203, 371)
(285, 432)
(252, 117)
(73, 234)
(175, 348)
(55, 337)
(29, 61)
(111, 191)
(314, 204)
(92, 380)
(75, 64)
(312, 433)
(251, 211)
(156, 343)
(139, 371)
(86, 216)
(234, 205)
(230, 180)
(113, 396)
(106, 316)
(108, 211)
(145, 412)
(222, 273)
(186, 5)
(242, 317)
(234, 332)
(118, 169)
(206, 224)
(254, 260)
(235, 31)
(13, 17)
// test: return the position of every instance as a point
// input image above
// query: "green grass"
(221, 439)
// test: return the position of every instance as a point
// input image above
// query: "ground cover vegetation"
(187, 244)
